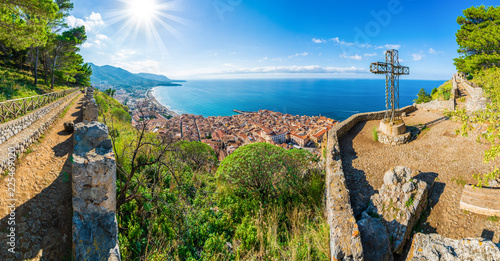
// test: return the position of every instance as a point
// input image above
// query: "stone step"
(484, 201)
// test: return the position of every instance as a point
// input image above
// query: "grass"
(443, 92)
(375, 134)
(462, 99)
(410, 201)
(460, 181)
(493, 218)
(28, 150)
(15, 84)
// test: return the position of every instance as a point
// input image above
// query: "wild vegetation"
(34, 39)
(479, 51)
(177, 202)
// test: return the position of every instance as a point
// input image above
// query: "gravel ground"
(437, 152)
(43, 192)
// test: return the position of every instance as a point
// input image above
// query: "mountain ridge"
(119, 77)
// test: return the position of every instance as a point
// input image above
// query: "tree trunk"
(36, 66)
(53, 68)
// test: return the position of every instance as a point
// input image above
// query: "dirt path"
(437, 151)
(43, 192)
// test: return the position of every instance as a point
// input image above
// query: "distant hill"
(125, 79)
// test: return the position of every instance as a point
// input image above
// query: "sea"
(334, 98)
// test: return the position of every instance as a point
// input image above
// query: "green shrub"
(375, 134)
(121, 114)
(422, 97)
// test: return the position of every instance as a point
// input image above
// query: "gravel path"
(43, 192)
(436, 152)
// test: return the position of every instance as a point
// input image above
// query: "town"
(227, 133)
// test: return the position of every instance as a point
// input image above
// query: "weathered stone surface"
(95, 233)
(408, 187)
(90, 110)
(94, 194)
(434, 105)
(94, 169)
(399, 210)
(345, 240)
(69, 126)
(390, 178)
(436, 247)
(394, 140)
(376, 244)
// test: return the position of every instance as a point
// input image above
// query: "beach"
(158, 105)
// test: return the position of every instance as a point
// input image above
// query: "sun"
(143, 11)
(146, 19)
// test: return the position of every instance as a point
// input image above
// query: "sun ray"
(147, 18)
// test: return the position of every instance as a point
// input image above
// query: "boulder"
(69, 126)
(376, 244)
(399, 203)
(436, 247)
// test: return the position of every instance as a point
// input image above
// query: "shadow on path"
(360, 189)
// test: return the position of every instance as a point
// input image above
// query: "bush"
(121, 114)
(265, 170)
(422, 97)
(375, 134)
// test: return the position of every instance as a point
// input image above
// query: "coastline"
(156, 103)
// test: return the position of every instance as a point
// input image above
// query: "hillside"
(122, 78)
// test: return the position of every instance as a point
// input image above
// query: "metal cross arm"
(383, 68)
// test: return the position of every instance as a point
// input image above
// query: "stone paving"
(43, 193)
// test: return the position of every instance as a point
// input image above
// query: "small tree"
(423, 97)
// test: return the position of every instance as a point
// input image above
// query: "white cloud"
(299, 54)
(318, 41)
(146, 66)
(124, 53)
(341, 42)
(370, 54)
(86, 45)
(389, 46)
(418, 56)
(276, 69)
(232, 53)
(263, 59)
(354, 57)
(101, 37)
(90, 22)
(432, 51)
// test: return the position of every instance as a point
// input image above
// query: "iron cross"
(392, 70)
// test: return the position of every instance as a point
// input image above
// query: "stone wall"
(95, 228)
(21, 133)
(477, 100)
(90, 111)
(345, 239)
(436, 105)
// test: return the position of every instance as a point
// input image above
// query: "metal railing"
(13, 109)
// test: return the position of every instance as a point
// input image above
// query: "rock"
(390, 178)
(360, 204)
(436, 247)
(69, 126)
(376, 244)
(408, 187)
(399, 203)
(403, 173)
(493, 183)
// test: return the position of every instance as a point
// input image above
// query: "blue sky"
(191, 39)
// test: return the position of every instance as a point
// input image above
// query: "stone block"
(376, 243)
(400, 204)
(436, 247)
